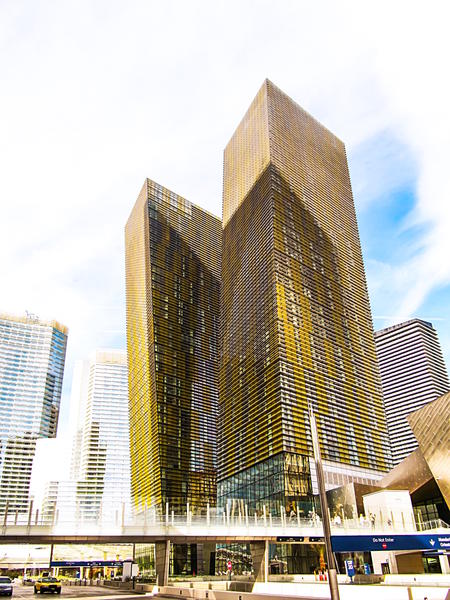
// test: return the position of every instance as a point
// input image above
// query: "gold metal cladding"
(295, 324)
(431, 426)
(172, 280)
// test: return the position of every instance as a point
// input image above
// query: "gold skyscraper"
(295, 322)
(172, 283)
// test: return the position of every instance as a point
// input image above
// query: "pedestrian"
(372, 518)
(337, 521)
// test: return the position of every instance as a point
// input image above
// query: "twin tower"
(234, 326)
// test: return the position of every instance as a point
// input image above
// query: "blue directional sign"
(350, 568)
(86, 563)
(371, 543)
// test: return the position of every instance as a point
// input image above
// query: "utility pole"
(332, 574)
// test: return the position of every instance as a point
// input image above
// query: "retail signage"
(86, 563)
(372, 543)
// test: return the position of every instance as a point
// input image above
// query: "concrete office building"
(296, 325)
(32, 356)
(413, 373)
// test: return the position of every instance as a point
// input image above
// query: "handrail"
(151, 519)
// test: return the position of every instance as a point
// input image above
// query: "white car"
(6, 586)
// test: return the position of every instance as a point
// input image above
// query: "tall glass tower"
(172, 284)
(99, 486)
(101, 454)
(32, 356)
(295, 317)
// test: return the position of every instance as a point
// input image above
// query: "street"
(27, 592)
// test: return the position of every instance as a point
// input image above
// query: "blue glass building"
(32, 356)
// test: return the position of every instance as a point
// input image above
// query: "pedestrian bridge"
(152, 528)
(258, 532)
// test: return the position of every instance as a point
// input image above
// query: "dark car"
(6, 586)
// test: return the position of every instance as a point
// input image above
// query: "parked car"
(47, 584)
(6, 586)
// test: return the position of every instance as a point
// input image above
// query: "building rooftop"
(32, 319)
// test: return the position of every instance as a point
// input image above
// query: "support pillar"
(393, 563)
(260, 559)
(445, 568)
(162, 559)
(208, 551)
(50, 558)
(5, 517)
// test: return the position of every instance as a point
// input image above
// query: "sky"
(98, 95)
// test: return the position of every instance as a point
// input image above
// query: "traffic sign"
(229, 565)
(371, 543)
(350, 568)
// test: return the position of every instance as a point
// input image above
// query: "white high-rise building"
(99, 488)
(413, 373)
(102, 444)
(32, 356)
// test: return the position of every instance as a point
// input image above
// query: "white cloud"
(411, 47)
(97, 96)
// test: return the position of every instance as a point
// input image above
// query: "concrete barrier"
(429, 580)
(368, 579)
(202, 594)
(139, 588)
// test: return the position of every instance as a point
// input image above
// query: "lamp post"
(332, 574)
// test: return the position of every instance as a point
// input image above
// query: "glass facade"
(184, 559)
(283, 558)
(99, 489)
(32, 356)
(295, 317)
(102, 440)
(145, 558)
(276, 483)
(173, 284)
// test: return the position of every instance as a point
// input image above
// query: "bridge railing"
(120, 521)
(433, 524)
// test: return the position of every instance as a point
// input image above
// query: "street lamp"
(332, 574)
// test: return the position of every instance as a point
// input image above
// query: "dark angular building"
(431, 427)
(295, 317)
(172, 285)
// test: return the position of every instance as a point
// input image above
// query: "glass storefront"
(282, 482)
